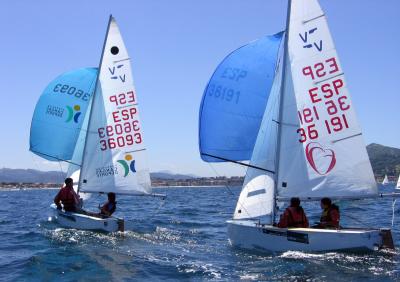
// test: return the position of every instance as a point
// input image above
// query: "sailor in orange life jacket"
(293, 216)
(68, 197)
(109, 207)
(330, 216)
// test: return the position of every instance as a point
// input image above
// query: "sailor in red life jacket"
(330, 216)
(110, 206)
(68, 197)
(293, 216)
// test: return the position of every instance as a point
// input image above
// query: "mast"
(279, 122)
(93, 96)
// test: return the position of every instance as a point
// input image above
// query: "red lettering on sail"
(321, 69)
(123, 98)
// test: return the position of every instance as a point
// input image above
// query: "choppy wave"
(182, 239)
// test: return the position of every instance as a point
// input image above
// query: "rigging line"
(61, 171)
(393, 206)
(357, 220)
(230, 191)
(35, 162)
(58, 159)
(161, 205)
(239, 163)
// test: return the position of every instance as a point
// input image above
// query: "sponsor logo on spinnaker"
(55, 111)
(73, 113)
(128, 164)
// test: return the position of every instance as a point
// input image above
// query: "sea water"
(181, 238)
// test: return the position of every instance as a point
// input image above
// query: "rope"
(230, 191)
(393, 206)
(358, 220)
(61, 171)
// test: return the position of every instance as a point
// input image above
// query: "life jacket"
(109, 207)
(326, 214)
(68, 199)
(297, 217)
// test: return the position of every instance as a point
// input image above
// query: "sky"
(175, 46)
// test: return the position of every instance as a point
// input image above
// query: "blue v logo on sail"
(305, 38)
(128, 164)
(114, 75)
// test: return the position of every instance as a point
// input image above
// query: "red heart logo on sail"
(320, 159)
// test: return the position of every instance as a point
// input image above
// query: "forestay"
(322, 149)
(114, 155)
(234, 101)
(59, 114)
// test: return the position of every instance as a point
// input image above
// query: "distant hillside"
(8, 175)
(30, 175)
(170, 175)
(384, 160)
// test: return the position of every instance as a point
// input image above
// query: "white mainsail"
(319, 147)
(398, 183)
(114, 155)
(385, 180)
(322, 151)
(257, 196)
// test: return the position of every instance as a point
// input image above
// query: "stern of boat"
(387, 239)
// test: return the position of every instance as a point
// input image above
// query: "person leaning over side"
(293, 216)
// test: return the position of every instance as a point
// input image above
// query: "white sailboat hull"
(86, 222)
(248, 234)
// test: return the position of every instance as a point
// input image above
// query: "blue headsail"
(60, 112)
(234, 101)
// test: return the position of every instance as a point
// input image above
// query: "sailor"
(294, 215)
(68, 197)
(330, 216)
(110, 206)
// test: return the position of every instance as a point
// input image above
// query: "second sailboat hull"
(248, 234)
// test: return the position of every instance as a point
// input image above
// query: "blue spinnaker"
(59, 114)
(234, 101)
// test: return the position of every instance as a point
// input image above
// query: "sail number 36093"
(120, 141)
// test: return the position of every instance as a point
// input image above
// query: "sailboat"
(385, 180)
(99, 135)
(282, 104)
(398, 183)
